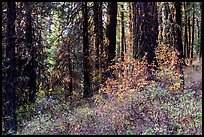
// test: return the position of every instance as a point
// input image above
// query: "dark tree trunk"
(160, 24)
(193, 22)
(147, 33)
(100, 29)
(147, 30)
(186, 34)
(29, 69)
(110, 40)
(10, 97)
(198, 32)
(189, 33)
(122, 35)
(70, 71)
(111, 31)
(201, 35)
(135, 20)
(87, 91)
(96, 33)
(130, 30)
(133, 30)
(178, 40)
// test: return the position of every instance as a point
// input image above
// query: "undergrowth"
(129, 105)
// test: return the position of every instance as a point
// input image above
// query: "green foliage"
(154, 110)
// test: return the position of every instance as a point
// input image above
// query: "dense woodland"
(102, 68)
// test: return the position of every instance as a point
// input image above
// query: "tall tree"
(30, 67)
(193, 22)
(130, 29)
(178, 43)
(110, 49)
(100, 33)
(189, 32)
(111, 31)
(122, 33)
(87, 91)
(147, 30)
(133, 24)
(185, 33)
(201, 35)
(96, 33)
(100, 27)
(10, 97)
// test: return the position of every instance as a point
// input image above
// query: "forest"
(102, 68)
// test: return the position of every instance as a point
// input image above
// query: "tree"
(189, 32)
(201, 36)
(111, 31)
(110, 49)
(96, 33)
(178, 41)
(30, 67)
(147, 31)
(185, 33)
(100, 28)
(130, 27)
(122, 34)
(10, 121)
(193, 22)
(87, 91)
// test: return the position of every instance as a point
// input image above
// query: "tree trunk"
(160, 23)
(29, 69)
(193, 22)
(178, 40)
(100, 29)
(111, 31)
(147, 32)
(10, 97)
(130, 31)
(110, 39)
(122, 35)
(198, 35)
(133, 20)
(87, 91)
(70, 71)
(201, 35)
(186, 34)
(189, 33)
(96, 38)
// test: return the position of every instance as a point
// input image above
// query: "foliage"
(127, 105)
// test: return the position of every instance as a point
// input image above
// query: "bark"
(178, 40)
(87, 91)
(147, 30)
(70, 71)
(111, 32)
(193, 22)
(198, 32)
(186, 34)
(130, 30)
(201, 35)
(122, 35)
(96, 33)
(189, 33)
(178, 43)
(29, 69)
(100, 29)
(10, 97)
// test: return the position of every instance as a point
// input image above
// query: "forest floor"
(193, 76)
(150, 111)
